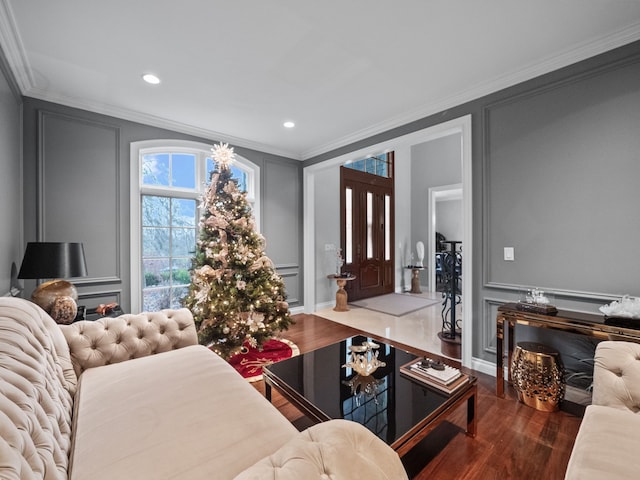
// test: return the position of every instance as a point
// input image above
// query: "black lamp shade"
(44, 260)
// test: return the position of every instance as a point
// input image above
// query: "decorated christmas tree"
(236, 297)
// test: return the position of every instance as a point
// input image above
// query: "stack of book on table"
(447, 380)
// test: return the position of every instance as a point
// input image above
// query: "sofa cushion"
(112, 340)
(183, 414)
(606, 446)
(36, 385)
(616, 375)
(337, 449)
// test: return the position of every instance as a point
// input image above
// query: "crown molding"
(17, 63)
(13, 51)
(562, 59)
(159, 122)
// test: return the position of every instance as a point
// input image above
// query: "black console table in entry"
(576, 322)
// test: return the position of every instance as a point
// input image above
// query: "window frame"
(202, 151)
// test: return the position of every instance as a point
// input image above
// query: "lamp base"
(58, 298)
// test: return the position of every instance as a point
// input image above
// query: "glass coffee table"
(397, 408)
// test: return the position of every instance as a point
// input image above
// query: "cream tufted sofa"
(608, 442)
(136, 398)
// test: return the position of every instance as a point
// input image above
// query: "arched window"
(168, 179)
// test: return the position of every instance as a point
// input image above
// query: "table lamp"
(56, 261)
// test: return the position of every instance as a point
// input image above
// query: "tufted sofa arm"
(338, 449)
(616, 375)
(113, 340)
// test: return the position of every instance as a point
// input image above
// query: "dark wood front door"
(367, 237)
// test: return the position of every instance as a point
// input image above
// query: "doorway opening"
(443, 201)
(322, 227)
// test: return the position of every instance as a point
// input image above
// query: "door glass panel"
(387, 227)
(369, 225)
(348, 218)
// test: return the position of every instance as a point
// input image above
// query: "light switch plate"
(509, 254)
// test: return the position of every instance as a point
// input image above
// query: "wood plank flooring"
(513, 440)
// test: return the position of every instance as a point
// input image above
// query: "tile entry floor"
(417, 329)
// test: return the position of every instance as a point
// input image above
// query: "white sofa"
(135, 397)
(608, 443)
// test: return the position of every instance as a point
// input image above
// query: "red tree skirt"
(250, 364)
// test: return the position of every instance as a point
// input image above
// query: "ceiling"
(342, 70)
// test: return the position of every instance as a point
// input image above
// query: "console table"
(576, 322)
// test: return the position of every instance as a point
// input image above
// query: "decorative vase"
(420, 252)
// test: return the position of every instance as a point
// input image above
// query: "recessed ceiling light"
(151, 78)
(289, 124)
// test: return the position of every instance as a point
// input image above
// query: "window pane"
(177, 294)
(358, 165)
(155, 242)
(382, 166)
(183, 212)
(183, 241)
(371, 165)
(377, 165)
(155, 211)
(155, 169)
(369, 225)
(154, 299)
(210, 168)
(241, 178)
(180, 271)
(152, 271)
(239, 175)
(183, 170)
(348, 225)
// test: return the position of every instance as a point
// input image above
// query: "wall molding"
(556, 292)
(41, 235)
(486, 149)
(117, 294)
(294, 272)
(487, 330)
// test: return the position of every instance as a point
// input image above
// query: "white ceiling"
(235, 70)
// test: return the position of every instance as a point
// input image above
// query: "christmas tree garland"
(236, 296)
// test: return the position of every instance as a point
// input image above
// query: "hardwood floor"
(513, 440)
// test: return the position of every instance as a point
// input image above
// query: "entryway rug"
(396, 304)
(250, 364)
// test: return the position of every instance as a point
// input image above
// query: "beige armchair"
(608, 441)
(616, 376)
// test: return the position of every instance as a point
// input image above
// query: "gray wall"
(327, 221)
(433, 164)
(10, 180)
(282, 221)
(562, 171)
(76, 188)
(555, 169)
(449, 219)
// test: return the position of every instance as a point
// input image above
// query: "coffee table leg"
(267, 391)
(472, 407)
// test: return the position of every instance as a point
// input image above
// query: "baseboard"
(483, 366)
